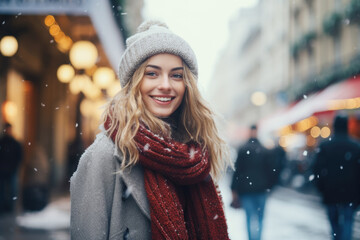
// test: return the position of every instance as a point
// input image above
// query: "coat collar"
(133, 177)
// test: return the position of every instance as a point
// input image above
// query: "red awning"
(316, 103)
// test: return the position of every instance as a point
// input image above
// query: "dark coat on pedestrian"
(337, 170)
(10, 156)
(252, 168)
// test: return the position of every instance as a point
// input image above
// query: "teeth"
(163, 99)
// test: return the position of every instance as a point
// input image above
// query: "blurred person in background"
(337, 177)
(251, 181)
(10, 159)
(279, 160)
(149, 174)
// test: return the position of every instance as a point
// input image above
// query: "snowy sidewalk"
(54, 216)
(288, 215)
(51, 223)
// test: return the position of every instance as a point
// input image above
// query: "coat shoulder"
(98, 157)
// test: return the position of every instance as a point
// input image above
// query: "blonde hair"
(126, 111)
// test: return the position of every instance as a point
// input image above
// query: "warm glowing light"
(103, 77)
(306, 124)
(49, 20)
(58, 37)
(86, 107)
(315, 132)
(258, 98)
(10, 111)
(114, 88)
(65, 73)
(78, 83)
(94, 109)
(286, 130)
(8, 46)
(351, 103)
(83, 54)
(91, 91)
(325, 132)
(65, 43)
(54, 30)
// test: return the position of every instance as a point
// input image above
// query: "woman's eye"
(178, 75)
(151, 74)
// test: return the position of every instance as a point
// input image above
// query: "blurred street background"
(288, 66)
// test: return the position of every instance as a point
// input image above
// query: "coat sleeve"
(318, 168)
(235, 178)
(92, 190)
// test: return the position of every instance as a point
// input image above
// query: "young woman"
(149, 173)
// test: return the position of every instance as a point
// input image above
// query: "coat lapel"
(133, 177)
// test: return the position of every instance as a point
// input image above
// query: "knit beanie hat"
(153, 37)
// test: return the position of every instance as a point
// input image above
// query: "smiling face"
(162, 87)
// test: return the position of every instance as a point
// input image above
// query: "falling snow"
(311, 177)
(146, 147)
(192, 153)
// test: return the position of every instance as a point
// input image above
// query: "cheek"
(181, 90)
(143, 88)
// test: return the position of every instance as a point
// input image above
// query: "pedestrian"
(251, 182)
(337, 177)
(150, 172)
(10, 159)
(278, 162)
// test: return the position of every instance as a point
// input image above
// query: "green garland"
(332, 24)
(329, 76)
(352, 11)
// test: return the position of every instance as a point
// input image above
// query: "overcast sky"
(202, 23)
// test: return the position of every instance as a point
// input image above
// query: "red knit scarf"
(184, 202)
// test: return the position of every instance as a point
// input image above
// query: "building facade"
(56, 118)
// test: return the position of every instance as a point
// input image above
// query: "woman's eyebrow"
(173, 69)
(177, 68)
(154, 66)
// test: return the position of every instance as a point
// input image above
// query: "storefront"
(52, 87)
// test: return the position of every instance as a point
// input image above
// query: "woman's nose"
(164, 83)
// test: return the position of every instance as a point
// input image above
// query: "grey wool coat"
(106, 203)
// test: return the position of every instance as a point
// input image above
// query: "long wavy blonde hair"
(126, 111)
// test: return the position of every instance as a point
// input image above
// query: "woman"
(148, 175)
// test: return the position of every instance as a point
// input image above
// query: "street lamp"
(65, 73)
(258, 98)
(103, 77)
(83, 54)
(8, 46)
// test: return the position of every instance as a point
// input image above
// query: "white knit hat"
(153, 37)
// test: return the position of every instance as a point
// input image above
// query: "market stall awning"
(342, 95)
